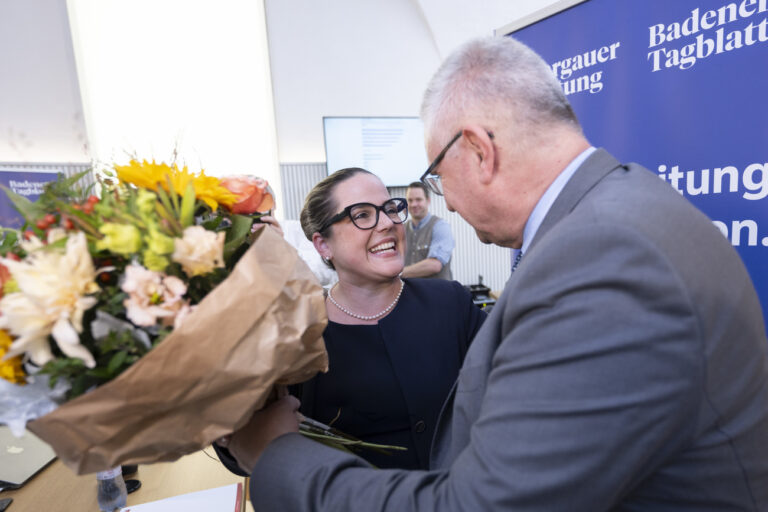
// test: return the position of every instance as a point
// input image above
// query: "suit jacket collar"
(599, 164)
(457, 414)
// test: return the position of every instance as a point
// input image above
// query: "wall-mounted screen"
(390, 147)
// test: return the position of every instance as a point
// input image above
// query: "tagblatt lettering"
(26, 187)
(704, 33)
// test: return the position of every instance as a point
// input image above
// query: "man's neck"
(417, 222)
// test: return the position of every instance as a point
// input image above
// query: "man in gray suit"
(624, 367)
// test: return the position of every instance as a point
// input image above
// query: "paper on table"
(224, 499)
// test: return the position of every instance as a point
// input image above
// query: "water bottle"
(111, 492)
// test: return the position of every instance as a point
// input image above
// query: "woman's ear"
(321, 245)
(480, 141)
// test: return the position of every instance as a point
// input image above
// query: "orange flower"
(253, 195)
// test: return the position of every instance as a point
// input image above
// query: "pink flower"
(152, 296)
(253, 195)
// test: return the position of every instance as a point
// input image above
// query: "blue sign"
(679, 87)
(25, 183)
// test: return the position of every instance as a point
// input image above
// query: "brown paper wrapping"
(262, 326)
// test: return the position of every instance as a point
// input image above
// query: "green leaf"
(79, 385)
(9, 240)
(173, 194)
(102, 373)
(66, 185)
(241, 227)
(213, 224)
(165, 200)
(187, 215)
(58, 244)
(116, 362)
(169, 219)
(69, 183)
(24, 206)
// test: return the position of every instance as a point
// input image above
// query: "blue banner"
(25, 183)
(679, 87)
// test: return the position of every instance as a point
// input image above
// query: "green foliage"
(114, 354)
(186, 216)
(236, 235)
(68, 188)
(198, 286)
(155, 214)
(10, 240)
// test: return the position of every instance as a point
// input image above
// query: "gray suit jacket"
(625, 367)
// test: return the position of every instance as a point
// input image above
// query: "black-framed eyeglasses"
(366, 215)
(432, 180)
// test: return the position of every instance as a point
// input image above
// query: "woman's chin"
(390, 268)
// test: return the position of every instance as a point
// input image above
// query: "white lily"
(53, 286)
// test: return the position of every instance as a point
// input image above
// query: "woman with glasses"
(395, 345)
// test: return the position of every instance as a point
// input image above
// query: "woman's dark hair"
(319, 205)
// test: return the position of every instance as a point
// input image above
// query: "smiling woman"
(393, 355)
(394, 345)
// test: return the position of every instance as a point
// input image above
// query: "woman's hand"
(278, 418)
(269, 220)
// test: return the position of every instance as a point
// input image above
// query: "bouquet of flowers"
(164, 315)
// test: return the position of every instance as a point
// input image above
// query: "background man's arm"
(423, 268)
(440, 250)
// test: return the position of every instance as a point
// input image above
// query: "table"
(58, 489)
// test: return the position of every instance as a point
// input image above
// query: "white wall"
(454, 21)
(343, 57)
(365, 57)
(41, 115)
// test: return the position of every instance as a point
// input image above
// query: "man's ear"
(321, 245)
(481, 143)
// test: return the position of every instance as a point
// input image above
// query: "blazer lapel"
(599, 164)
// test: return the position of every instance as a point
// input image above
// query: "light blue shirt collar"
(422, 223)
(548, 199)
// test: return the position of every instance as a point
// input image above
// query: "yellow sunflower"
(10, 369)
(148, 175)
(143, 174)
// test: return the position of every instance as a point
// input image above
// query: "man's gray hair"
(500, 75)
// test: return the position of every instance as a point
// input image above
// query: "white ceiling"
(454, 21)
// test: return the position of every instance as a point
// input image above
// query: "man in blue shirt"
(429, 242)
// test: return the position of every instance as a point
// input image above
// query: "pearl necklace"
(370, 317)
